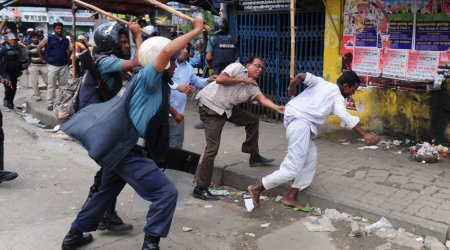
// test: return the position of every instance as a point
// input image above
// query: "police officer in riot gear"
(140, 114)
(112, 47)
(222, 49)
(11, 67)
(4, 174)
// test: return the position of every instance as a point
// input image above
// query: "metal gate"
(268, 35)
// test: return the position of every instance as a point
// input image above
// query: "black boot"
(75, 239)
(112, 222)
(258, 160)
(150, 243)
(8, 104)
(7, 175)
(204, 194)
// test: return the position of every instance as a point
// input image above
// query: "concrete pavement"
(370, 183)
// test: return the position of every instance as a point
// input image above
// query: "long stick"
(74, 36)
(292, 64)
(3, 24)
(9, 3)
(92, 7)
(174, 11)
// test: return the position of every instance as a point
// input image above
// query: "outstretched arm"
(176, 45)
(266, 102)
(368, 137)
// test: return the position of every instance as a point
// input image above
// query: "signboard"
(34, 17)
(82, 19)
(267, 5)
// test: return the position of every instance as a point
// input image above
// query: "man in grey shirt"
(219, 103)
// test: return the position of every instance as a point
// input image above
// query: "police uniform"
(11, 70)
(223, 48)
(140, 111)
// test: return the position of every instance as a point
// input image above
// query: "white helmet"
(151, 48)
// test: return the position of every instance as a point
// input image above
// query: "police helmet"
(221, 25)
(11, 36)
(107, 36)
(150, 29)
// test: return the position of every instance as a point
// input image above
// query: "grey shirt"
(222, 98)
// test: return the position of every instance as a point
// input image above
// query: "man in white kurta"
(302, 116)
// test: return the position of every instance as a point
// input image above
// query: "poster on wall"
(394, 64)
(396, 41)
(366, 61)
(432, 25)
(422, 66)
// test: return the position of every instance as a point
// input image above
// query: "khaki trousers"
(37, 70)
(56, 74)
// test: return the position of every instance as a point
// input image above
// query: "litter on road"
(249, 204)
(368, 147)
(219, 192)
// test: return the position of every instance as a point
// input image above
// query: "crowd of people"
(148, 100)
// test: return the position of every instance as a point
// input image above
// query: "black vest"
(89, 89)
(223, 52)
(10, 62)
(108, 134)
(157, 138)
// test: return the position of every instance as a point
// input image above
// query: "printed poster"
(394, 64)
(422, 66)
(366, 61)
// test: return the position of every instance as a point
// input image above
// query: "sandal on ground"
(307, 208)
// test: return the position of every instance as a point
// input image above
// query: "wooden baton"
(3, 24)
(174, 11)
(92, 7)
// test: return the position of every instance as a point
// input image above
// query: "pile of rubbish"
(428, 153)
(360, 227)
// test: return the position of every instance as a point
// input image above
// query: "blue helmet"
(150, 29)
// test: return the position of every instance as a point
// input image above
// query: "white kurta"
(301, 117)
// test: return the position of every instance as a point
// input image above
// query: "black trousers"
(10, 93)
(2, 138)
(96, 187)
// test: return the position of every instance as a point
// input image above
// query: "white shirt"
(319, 100)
